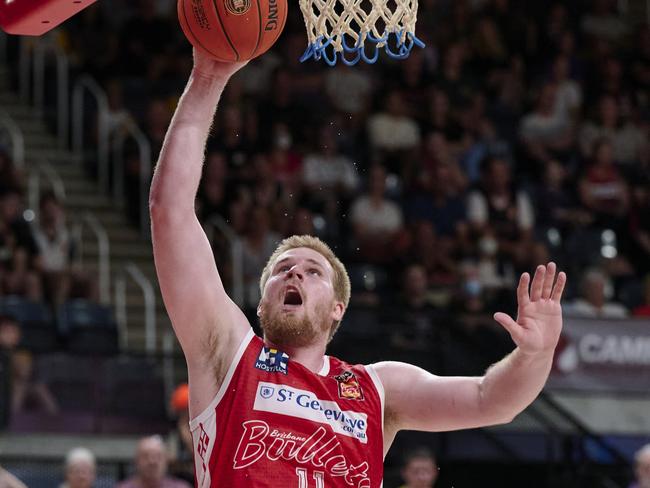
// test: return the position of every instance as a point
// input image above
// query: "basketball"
(232, 30)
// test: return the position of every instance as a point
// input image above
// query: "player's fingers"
(522, 290)
(548, 280)
(509, 324)
(559, 287)
(538, 283)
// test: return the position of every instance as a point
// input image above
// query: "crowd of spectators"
(519, 134)
(37, 251)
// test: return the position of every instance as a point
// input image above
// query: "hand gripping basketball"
(232, 30)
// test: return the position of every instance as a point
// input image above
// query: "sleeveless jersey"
(274, 423)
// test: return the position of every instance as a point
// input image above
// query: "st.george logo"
(272, 361)
(238, 7)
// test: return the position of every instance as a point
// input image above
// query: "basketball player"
(276, 411)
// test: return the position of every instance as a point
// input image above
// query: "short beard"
(288, 330)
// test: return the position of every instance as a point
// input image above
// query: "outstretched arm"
(416, 399)
(207, 323)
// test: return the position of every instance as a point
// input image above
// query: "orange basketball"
(232, 30)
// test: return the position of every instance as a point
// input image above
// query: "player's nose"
(296, 272)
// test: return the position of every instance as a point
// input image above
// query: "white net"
(337, 27)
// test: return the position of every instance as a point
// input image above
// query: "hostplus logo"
(272, 361)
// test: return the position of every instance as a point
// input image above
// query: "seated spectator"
(18, 278)
(604, 22)
(18, 250)
(545, 135)
(642, 467)
(151, 467)
(8, 480)
(419, 469)
(26, 390)
(500, 210)
(56, 252)
(489, 49)
(393, 134)
(454, 77)
(349, 90)
(329, 179)
(285, 161)
(80, 469)
(475, 321)
(568, 98)
(327, 172)
(483, 143)
(258, 245)
(377, 221)
(441, 202)
(496, 276)
(281, 105)
(603, 191)
(629, 142)
(438, 256)
(439, 117)
(557, 205)
(593, 300)
(411, 315)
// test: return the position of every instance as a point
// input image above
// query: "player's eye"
(315, 271)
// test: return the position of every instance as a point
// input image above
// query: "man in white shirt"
(593, 302)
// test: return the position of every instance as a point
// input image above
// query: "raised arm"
(418, 400)
(208, 324)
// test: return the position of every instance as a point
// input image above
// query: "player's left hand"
(539, 313)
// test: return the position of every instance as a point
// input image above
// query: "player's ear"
(259, 309)
(338, 311)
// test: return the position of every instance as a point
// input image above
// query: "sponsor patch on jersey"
(272, 361)
(349, 387)
(303, 404)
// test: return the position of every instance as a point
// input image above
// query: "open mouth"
(292, 297)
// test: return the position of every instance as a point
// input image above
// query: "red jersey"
(274, 423)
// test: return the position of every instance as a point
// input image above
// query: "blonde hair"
(340, 282)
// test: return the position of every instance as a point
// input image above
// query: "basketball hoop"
(356, 30)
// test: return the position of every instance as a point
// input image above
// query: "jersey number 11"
(303, 482)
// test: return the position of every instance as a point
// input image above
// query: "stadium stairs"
(37, 457)
(82, 196)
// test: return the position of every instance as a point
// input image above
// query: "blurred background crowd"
(519, 135)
